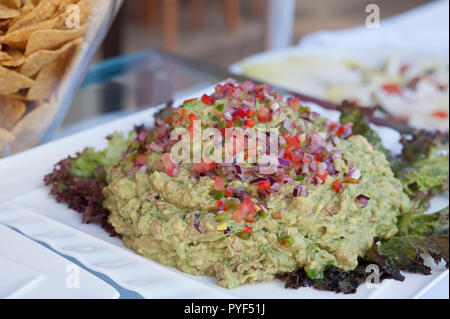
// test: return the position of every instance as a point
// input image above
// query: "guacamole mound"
(304, 216)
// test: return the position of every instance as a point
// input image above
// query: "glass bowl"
(42, 74)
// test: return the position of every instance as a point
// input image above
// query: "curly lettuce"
(79, 181)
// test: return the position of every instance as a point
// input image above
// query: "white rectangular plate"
(30, 270)
(26, 205)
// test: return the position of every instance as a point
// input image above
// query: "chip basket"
(41, 119)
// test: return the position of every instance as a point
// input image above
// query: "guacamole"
(330, 196)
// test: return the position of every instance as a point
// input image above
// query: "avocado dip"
(330, 196)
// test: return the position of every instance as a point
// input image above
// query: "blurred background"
(213, 33)
(225, 31)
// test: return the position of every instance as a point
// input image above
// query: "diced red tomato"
(220, 88)
(208, 100)
(204, 167)
(140, 160)
(229, 191)
(293, 141)
(193, 117)
(294, 158)
(337, 185)
(250, 219)
(294, 103)
(264, 114)
(265, 184)
(392, 88)
(219, 184)
(249, 123)
(440, 114)
(333, 126)
(235, 146)
(324, 176)
(248, 230)
(170, 166)
(277, 216)
(246, 208)
(319, 156)
(340, 131)
(285, 244)
(191, 100)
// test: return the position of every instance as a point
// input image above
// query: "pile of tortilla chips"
(39, 40)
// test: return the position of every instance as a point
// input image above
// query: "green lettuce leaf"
(423, 167)
(360, 117)
(85, 164)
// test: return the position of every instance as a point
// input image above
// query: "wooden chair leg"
(232, 14)
(170, 24)
(197, 13)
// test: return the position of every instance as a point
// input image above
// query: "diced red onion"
(227, 116)
(143, 169)
(154, 147)
(287, 124)
(258, 180)
(133, 171)
(305, 168)
(316, 180)
(362, 200)
(271, 179)
(275, 187)
(284, 163)
(313, 166)
(355, 173)
(337, 154)
(160, 122)
(300, 191)
(142, 137)
(242, 194)
(315, 148)
(197, 222)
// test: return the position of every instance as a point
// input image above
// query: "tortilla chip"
(43, 11)
(49, 77)
(16, 59)
(8, 13)
(27, 8)
(4, 24)
(5, 139)
(52, 39)
(11, 111)
(14, 4)
(12, 81)
(38, 60)
(32, 127)
(62, 7)
(4, 56)
(18, 39)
